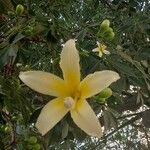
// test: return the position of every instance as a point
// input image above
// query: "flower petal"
(95, 50)
(100, 54)
(96, 82)
(106, 52)
(50, 115)
(98, 43)
(85, 118)
(70, 64)
(43, 82)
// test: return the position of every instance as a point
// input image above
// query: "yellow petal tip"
(70, 42)
(40, 131)
(42, 128)
(22, 75)
(99, 135)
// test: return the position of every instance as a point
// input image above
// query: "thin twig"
(13, 131)
(130, 115)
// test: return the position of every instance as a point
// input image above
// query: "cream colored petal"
(106, 52)
(85, 118)
(43, 82)
(97, 43)
(103, 47)
(100, 54)
(96, 82)
(95, 50)
(50, 115)
(69, 64)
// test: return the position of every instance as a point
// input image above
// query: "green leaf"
(17, 38)
(124, 68)
(109, 120)
(8, 55)
(146, 118)
(120, 85)
(35, 115)
(65, 130)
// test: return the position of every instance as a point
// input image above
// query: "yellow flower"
(101, 49)
(71, 93)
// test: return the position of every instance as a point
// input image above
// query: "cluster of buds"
(106, 31)
(18, 11)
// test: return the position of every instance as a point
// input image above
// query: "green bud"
(101, 100)
(14, 118)
(105, 25)
(11, 13)
(104, 94)
(105, 31)
(32, 140)
(109, 34)
(19, 9)
(106, 22)
(29, 30)
(36, 147)
(7, 129)
(2, 128)
(29, 147)
(109, 30)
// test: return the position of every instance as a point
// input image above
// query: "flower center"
(69, 102)
(101, 47)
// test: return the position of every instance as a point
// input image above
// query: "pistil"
(69, 103)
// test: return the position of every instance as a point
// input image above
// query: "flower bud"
(101, 100)
(33, 140)
(29, 30)
(105, 25)
(11, 13)
(106, 22)
(106, 93)
(109, 34)
(19, 9)
(36, 147)
(7, 129)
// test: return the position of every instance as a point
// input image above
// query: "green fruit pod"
(19, 9)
